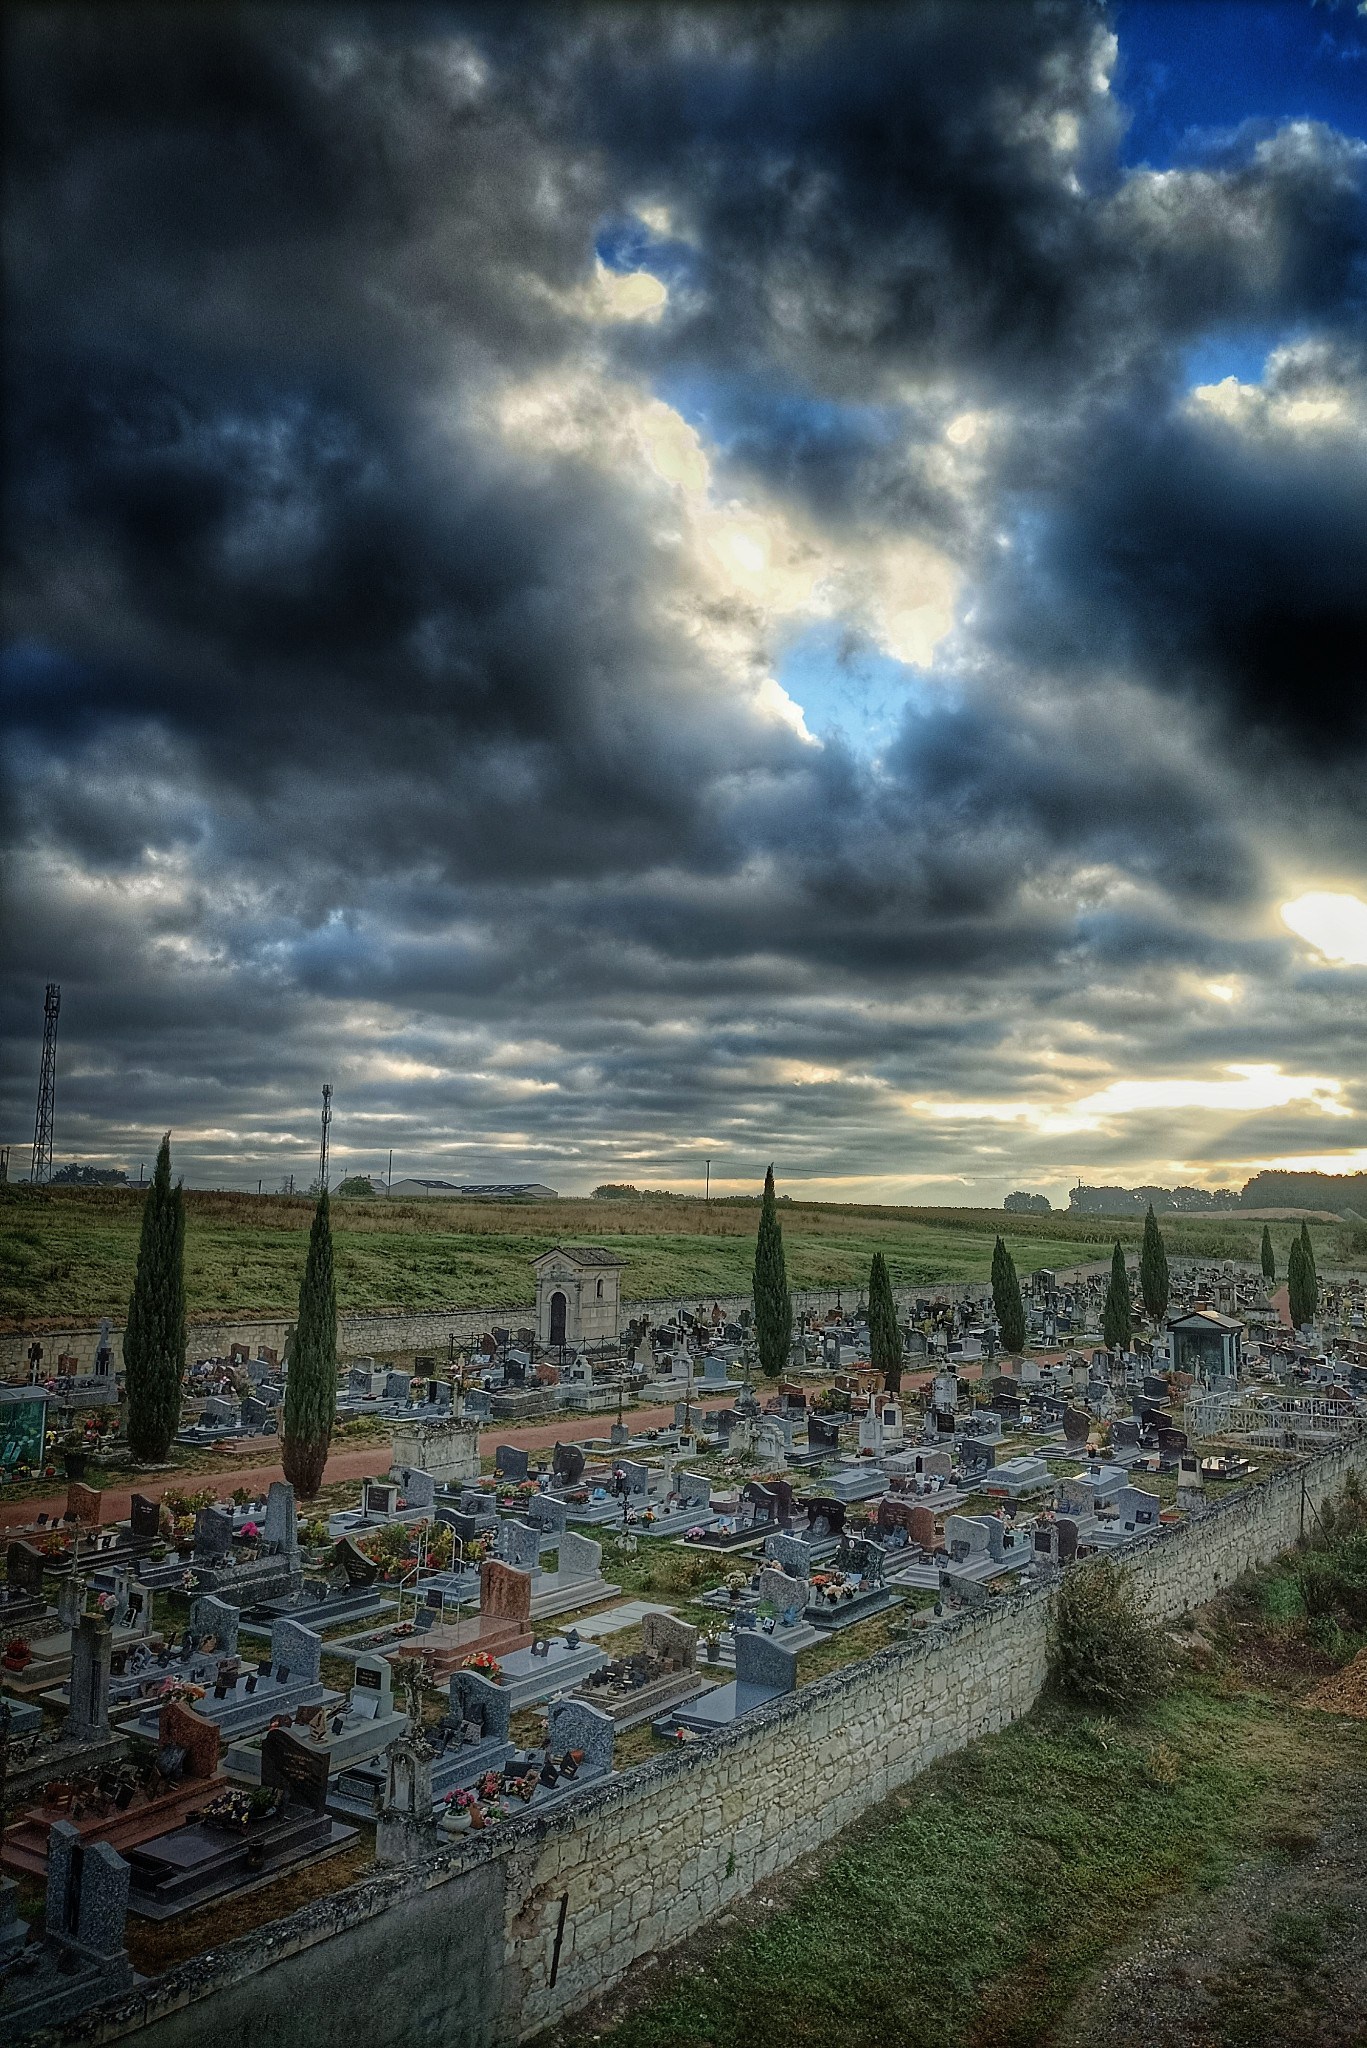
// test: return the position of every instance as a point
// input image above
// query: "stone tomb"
(661, 1674)
(765, 1670)
(502, 1625)
(216, 1854)
(128, 1805)
(552, 1664)
(577, 1580)
(364, 1727)
(857, 1589)
(82, 1957)
(246, 1572)
(242, 1702)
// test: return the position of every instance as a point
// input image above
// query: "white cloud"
(1334, 923)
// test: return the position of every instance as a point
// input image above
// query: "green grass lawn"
(969, 1909)
(69, 1254)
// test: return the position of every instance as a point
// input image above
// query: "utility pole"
(389, 1176)
(323, 1144)
(41, 1169)
(707, 1193)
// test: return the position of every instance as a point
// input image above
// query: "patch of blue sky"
(848, 688)
(1228, 354)
(733, 410)
(624, 243)
(1191, 71)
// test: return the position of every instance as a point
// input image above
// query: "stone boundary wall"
(396, 1337)
(504, 1934)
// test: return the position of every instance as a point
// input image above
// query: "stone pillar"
(406, 1831)
(87, 1717)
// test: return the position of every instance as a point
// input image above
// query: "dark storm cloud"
(341, 718)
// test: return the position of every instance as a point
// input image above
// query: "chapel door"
(557, 1317)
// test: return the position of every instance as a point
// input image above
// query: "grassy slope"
(70, 1254)
(968, 1911)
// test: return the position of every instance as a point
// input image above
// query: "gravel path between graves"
(1275, 1956)
(366, 1463)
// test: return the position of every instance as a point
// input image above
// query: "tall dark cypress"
(885, 1335)
(311, 1389)
(1296, 1284)
(1154, 1284)
(1269, 1256)
(1312, 1275)
(1117, 1326)
(1006, 1298)
(773, 1304)
(154, 1338)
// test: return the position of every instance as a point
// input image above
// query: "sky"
(633, 587)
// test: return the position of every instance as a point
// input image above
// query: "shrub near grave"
(1102, 1651)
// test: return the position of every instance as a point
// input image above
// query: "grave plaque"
(510, 1462)
(299, 1768)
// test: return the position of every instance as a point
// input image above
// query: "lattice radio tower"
(323, 1146)
(47, 1088)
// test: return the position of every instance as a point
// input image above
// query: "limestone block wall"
(567, 1903)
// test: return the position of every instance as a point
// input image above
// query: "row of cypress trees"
(155, 1335)
(774, 1303)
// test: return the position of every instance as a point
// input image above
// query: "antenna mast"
(41, 1169)
(323, 1146)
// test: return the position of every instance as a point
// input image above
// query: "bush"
(1102, 1651)
(1333, 1581)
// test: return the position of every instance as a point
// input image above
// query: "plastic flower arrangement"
(483, 1662)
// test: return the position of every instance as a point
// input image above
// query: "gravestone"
(24, 1569)
(574, 1724)
(674, 1642)
(200, 1741)
(379, 1497)
(822, 1435)
(519, 1543)
(825, 1517)
(144, 1518)
(510, 1462)
(396, 1385)
(921, 1527)
(579, 1557)
(372, 1692)
(70, 1602)
(695, 1491)
(783, 1591)
(87, 1717)
(84, 1505)
(213, 1535)
(567, 1464)
(1077, 1424)
(476, 1702)
(296, 1767)
(761, 1660)
(419, 1488)
(1066, 1530)
(636, 1478)
(297, 1650)
(546, 1513)
(861, 1557)
(505, 1594)
(347, 1557)
(210, 1616)
(964, 1592)
(87, 1903)
(790, 1554)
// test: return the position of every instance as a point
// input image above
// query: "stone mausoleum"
(578, 1295)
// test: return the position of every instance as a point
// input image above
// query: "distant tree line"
(1338, 1192)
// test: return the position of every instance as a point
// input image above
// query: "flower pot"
(456, 1821)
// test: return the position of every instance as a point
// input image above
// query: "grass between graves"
(970, 1908)
(68, 1254)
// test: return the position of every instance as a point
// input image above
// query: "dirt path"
(366, 1463)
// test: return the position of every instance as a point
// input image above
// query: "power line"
(41, 1169)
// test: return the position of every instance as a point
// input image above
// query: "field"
(68, 1255)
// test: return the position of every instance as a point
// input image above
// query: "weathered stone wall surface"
(645, 1859)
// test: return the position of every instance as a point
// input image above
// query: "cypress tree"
(1295, 1282)
(773, 1304)
(1153, 1269)
(1006, 1298)
(154, 1337)
(1116, 1325)
(311, 1389)
(1269, 1256)
(885, 1336)
(1312, 1275)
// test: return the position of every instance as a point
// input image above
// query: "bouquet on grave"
(485, 1663)
(182, 1691)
